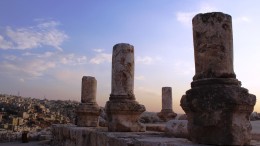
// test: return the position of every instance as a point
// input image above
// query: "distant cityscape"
(19, 114)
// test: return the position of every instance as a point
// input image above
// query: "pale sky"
(47, 46)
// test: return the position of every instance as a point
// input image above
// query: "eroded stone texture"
(88, 110)
(65, 135)
(177, 128)
(213, 46)
(88, 89)
(122, 110)
(123, 71)
(166, 112)
(217, 107)
(166, 98)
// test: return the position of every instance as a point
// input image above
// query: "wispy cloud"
(4, 44)
(101, 58)
(141, 78)
(242, 19)
(10, 57)
(72, 59)
(144, 60)
(44, 55)
(184, 68)
(186, 17)
(36, 65)
(30, 69)
(43, 34)
(98, 50)
(147, 60)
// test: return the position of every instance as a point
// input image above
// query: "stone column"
(166, 113)
(88, 111)
(218, 108)
(122, 110)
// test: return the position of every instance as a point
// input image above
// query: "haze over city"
(47, 46)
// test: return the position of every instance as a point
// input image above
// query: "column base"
(87, 115)
(123, 116)
(218, 114)
(166, 114)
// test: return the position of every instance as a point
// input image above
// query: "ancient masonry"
(122, 109)
(167, 113)
(218, 108)
(88, 111)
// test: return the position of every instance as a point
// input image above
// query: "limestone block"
(88, 89)
(213, 45)
(219, 113)
(177, 128)
(217, 107)
(88, 111)
(88, 115)
(166, 98)
(97, 136)
(123, 70)
(122, 109)
(123, 116)
(166, 113)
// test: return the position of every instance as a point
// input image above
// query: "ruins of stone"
(122, 109)
(177, 128)
(88, 110)
(167, 113)
(218, 108)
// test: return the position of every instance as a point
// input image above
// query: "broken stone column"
(122, 109)
(88, 110)
(167, 113)
(218, 108)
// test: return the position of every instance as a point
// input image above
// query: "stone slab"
(65, 135)
(99, 136)
(159, 127)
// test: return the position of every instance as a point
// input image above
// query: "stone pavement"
(30, 143)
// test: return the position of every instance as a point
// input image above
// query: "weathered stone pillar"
(218, 108)
(166, 113)
(122, 110)
(88, 110)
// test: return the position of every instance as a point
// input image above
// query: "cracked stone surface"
(122, 109)
(88, 110)
(217, 107)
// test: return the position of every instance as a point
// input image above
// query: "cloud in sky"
(184, 68)
(43, 34)
(72, 59)
(29, 69)
(141, 78)
(35, 65)
(44, 55)
(147, 60)
(186, 17)
(242, 19)
(98, 50)
(101, 58)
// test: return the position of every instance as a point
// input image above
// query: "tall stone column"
(218, 108)
(122, 110)
(167, 113)
(88, 110)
